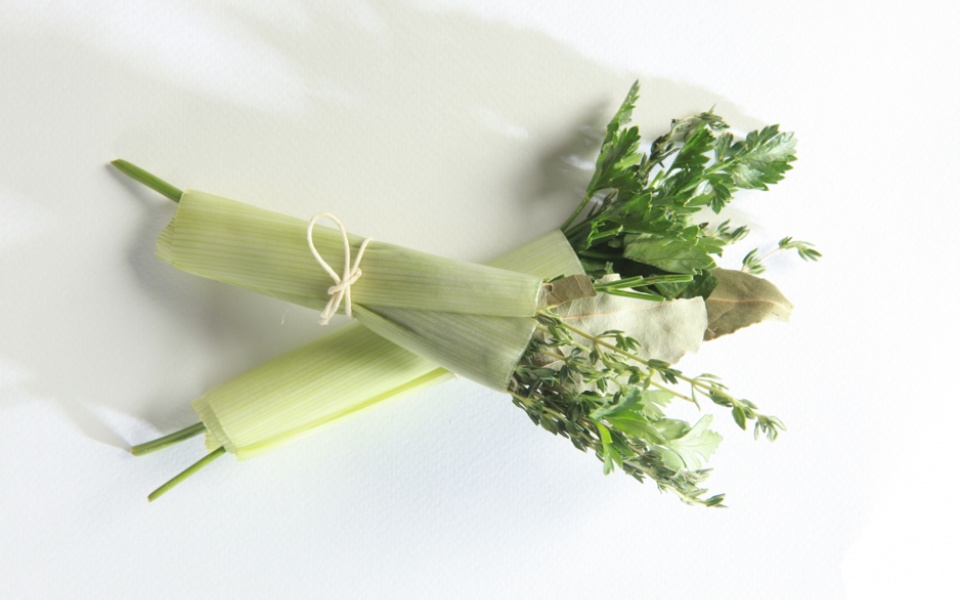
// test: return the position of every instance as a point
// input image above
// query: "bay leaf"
(566, 289)
(666, 330)
(741, 299)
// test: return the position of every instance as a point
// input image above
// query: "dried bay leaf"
(741, 299)
(666, 330)
(566, 289)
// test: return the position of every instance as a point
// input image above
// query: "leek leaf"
(267, 252)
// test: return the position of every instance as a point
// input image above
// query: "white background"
(462, 131)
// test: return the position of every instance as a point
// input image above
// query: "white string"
(340, 290)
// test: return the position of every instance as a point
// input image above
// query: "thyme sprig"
(602, 395)
(753, 262)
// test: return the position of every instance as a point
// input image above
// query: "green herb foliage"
(606, 398)
(753, 262)
(637, 215)
(638, 219)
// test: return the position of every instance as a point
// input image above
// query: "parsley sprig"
(636, 217)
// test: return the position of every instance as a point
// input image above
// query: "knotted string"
(340, 290)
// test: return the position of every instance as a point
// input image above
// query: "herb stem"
(551, 354)
(576, 213)
(763, 258)
(148, 179)
(632, 294)
(715, 391)
(206, 460)
(639, 280)
(573, 230)
(599, 342)
(168, 440)
(598, 255)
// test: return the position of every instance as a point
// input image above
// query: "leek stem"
(168, 440)
(163, 489)
(148, 179)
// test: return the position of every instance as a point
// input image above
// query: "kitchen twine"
(340, 290)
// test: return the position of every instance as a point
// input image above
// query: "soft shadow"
(382, 123)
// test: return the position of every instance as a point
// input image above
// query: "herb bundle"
(584, 341)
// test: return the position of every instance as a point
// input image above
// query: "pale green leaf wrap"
(484, 349)
(267, 252)
(471, 319)
(289, 396)
(352, 368)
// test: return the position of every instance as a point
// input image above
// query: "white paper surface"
(466, 132)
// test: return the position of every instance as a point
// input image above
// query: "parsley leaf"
(642, 204)
(692, 447)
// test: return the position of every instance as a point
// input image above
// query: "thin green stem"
(769, 254)
(572, 231)
(148, 179)
(206, 460)
(632, 294)
(716, 392)
(168, 440)
(576, 213)
(555, 355)
(695, 383)
(599, 342)
(597, 255)
(641, 280)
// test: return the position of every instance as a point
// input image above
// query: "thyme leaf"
(603, 395)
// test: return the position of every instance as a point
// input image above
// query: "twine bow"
(340, 290)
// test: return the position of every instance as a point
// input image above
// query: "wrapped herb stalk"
(461, 315)
(338, 374)
(581, 329)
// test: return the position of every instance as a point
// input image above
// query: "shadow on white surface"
(392, 114)
(436, 130)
